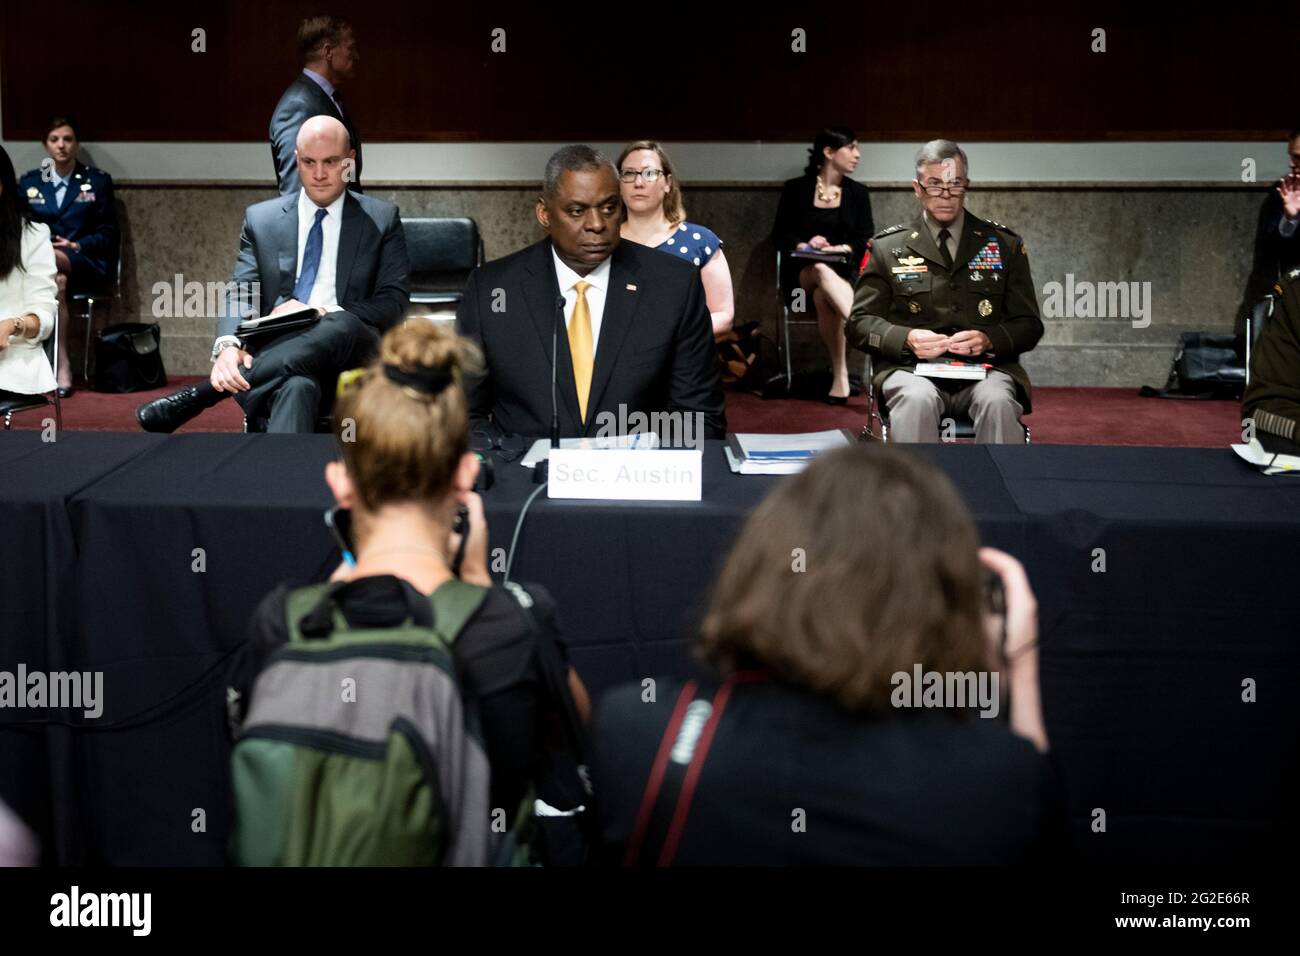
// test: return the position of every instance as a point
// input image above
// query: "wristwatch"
(224, 343)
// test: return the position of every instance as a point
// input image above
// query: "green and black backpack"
(358, 748)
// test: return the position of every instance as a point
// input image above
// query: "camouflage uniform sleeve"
(868, 327)
(1273, 398)
(1022, 328)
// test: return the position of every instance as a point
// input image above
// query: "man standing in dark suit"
(636, 333)
(1277, 237)
(342, 254)
(329, 55)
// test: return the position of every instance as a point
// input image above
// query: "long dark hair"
(14, 216)
(890, 577)
(836, 137)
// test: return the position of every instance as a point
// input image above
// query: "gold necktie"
(580, 348)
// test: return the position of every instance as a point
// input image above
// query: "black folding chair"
(109, 295)
(1255, 322)
(877, 426)
(443, 252)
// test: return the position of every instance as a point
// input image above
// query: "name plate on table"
(617, 474)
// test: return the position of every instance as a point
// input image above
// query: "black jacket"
(793, 225)
(1274, 256)
(790, 778)
(655, 352)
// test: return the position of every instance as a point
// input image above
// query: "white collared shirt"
(954, 233)
(61, 190)
(598, 279)
(323, 293)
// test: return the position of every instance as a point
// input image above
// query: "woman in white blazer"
(28, 292)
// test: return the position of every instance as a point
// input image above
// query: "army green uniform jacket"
(1273, 398)
(904, 285)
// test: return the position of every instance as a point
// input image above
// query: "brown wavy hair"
(674, 205)
(398, 443)
(891, 579)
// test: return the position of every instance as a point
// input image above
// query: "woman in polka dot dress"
(656, 217)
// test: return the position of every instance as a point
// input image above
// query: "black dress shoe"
(837, 399)
(170, 412)
(65, 391)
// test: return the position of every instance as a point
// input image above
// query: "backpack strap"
(454, 603)
(311, 612)
(666, 802)
(309, 603)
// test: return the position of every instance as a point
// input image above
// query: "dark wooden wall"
(902, 72)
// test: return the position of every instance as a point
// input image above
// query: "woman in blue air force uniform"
(76, 202)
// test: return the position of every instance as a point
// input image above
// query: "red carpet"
(1063, 416)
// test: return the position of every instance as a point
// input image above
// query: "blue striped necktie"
(310, 259)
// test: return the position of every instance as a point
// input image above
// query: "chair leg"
(90, 324)
(785, 345)
(58, 413)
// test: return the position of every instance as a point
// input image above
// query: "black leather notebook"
(259, 330)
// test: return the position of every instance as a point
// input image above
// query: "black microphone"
(541, 470)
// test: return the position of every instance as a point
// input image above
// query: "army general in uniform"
(949, 286)
(1272, 399)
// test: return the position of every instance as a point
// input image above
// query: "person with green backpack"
(401, 713)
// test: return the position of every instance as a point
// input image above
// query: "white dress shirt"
(598, 281)
(31, 290)
(323, 293)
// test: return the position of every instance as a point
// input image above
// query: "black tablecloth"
(1142, 664)
(37, 592)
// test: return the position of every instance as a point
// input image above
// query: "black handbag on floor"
(1207, 365)
(128, 358)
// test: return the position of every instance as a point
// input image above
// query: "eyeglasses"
(955, 188)
(649, 175)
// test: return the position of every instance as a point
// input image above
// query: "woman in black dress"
(825, 211)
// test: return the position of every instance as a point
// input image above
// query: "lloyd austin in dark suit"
(338, 252)
(635, 335)
(329, 57)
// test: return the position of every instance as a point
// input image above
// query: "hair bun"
(428, 380)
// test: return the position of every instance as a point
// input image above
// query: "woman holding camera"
(811, 742)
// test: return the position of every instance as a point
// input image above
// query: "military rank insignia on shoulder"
(1293, 274)
(1007, 229)
(890, 231)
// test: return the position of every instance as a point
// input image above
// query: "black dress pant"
(291, 373)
